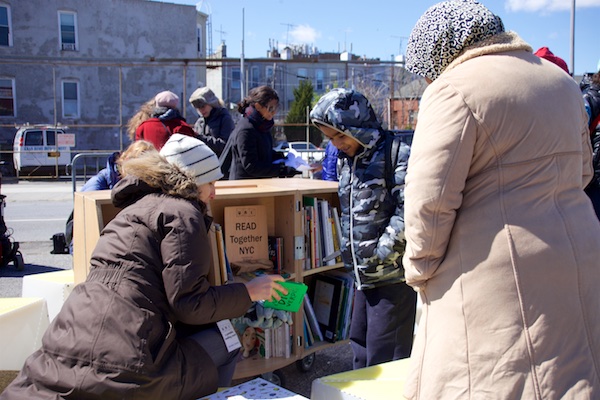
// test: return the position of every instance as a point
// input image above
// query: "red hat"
(544, 52)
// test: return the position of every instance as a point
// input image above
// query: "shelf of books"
(287, 226)
(303, 243)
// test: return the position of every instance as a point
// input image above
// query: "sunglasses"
(272, 108)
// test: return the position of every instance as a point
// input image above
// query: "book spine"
(338, 230)
(221, 253)
(287, 331)
(317, 232)
(268, 342)
(312, 318)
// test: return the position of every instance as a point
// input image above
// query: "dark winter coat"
(215, 129)
(253, 154)
(158, 130)
(591, 96)
(114, 337)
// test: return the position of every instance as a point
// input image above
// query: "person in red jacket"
(546, 54)
(166, 120)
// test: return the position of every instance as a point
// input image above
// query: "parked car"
(406, 134)
(308, 151)
(36, 149)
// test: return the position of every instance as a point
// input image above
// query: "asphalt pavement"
(33, 212)
(36, 209)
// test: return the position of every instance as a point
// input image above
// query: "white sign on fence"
(65, 139)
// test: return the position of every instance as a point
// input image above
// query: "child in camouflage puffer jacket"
(372, 228)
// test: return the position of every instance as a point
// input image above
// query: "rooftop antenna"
(221, 32)
(287, 34)
(400, 42)
(346, 31)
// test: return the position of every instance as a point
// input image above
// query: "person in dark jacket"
(591, 97)
(384, 312)
(115, 336)
(214, 124)
(166, 120)
(251, 142)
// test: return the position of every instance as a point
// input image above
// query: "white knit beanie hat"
(194, 157)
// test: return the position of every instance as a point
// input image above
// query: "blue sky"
(379, 28)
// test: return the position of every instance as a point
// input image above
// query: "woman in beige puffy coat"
(502, 243)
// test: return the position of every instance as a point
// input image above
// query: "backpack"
(393, 139)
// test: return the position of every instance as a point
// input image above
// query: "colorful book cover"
(251, 338)
(292, 301)
(256, 389)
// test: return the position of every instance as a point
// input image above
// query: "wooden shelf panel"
(318, 346)
(283, 199)
(308, 272)
(254, 366)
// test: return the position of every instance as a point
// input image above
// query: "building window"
(68, 30)
(254, 77)
(302, 74)
(333, 78)
(5, 29)
(70, 99)
(269, 74)
(199, 39)
(7, 97)
(319, 79)
(236, 78)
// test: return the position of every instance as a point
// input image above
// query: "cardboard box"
(245, 233)
(24, 321)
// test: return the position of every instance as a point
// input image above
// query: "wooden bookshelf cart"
(283, 199)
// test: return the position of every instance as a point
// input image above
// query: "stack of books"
(328, 307)
(322, 232)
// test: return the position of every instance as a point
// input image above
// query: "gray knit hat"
(194, 157)
(203, 96)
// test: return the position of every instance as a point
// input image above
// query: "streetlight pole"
(573, 38)
(242, 77)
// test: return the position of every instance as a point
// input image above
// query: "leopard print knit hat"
(444, 31)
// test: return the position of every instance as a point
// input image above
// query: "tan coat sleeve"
(437, 170)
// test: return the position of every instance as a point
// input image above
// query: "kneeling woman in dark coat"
(115, 337)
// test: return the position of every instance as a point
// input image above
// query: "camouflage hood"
(349, 112)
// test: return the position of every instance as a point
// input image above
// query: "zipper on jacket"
(351, 218)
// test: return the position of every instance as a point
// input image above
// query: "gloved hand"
(288, 172)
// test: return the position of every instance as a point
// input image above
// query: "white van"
(36, 149)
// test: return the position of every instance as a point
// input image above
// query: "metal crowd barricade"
(84, 157)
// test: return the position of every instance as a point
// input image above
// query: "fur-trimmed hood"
(152, 173)
(505, 41)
